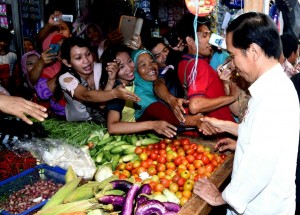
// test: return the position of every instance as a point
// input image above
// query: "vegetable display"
(74, 133)
(171, 167)
(12, 164)
(29, 196)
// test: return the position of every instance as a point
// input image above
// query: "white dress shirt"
(263, 177)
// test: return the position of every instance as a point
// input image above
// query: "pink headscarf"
(51, 38)
(23, 64)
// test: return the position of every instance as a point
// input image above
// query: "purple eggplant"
(140, 200)
(145, 189)
(172, 207)
(115, 200)
(129, 200)
(119, 185)
(151, 207)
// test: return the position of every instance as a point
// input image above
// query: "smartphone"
(129, 26)
(226, 67)
(54, 48)
(65, 18)
(218, 41)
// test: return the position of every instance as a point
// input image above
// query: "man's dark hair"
(256, 28)
(289, 44)
(185, 27)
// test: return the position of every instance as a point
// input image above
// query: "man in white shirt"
(263, 177)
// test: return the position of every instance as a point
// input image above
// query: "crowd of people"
(151, 85)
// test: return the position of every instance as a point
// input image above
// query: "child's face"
(28, 46)
(31, 61)
(147, 67)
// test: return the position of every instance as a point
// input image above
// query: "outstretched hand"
(21, 108)
(121, 93)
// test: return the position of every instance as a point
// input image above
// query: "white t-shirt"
(76, 110)
(11, 59)
(263, 177)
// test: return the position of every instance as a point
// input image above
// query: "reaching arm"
(176, 104)
(20, 107)
(115, 126)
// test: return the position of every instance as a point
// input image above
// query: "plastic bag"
(56, 153)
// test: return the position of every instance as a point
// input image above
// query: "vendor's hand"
(21, 107)
(225, 144)
(112, 69)
(214, 123)
(121, 93)
(208, 192)
(115, 37)
(164, 128)
(135, 43)
(176, 105)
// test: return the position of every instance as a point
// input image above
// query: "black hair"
(255, 28)
(6, 37)
(152, 42)
(109, 54)
(185, 27)
(65, 50)
(289, 44)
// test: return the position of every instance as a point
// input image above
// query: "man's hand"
(21, 107)
(225, 144)
(208, 192)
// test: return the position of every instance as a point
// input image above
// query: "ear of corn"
(83, 192)
(61, 194)
(70, 174)
(82, 205)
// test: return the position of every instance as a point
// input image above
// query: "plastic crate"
(31, 176)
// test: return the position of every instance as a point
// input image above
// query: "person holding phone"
(46, 84)
(203, 87)
(229, 75)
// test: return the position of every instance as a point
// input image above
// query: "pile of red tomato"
(174, 164)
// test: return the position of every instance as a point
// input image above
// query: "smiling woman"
(80, 83)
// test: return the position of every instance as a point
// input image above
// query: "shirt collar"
(258, 88)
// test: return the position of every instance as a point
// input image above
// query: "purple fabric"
(45, 93)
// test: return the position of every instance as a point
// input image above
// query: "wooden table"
(198, 206)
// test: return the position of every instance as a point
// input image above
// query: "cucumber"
(107, 155)
(115, 144)
(134, 139)
(115, 161)
(99, 157)
(129, 150)
(105, 141)
(146, 141)
(128, 158)
(119, 149)
(153, 136)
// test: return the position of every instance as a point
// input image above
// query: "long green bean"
(74, 133)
